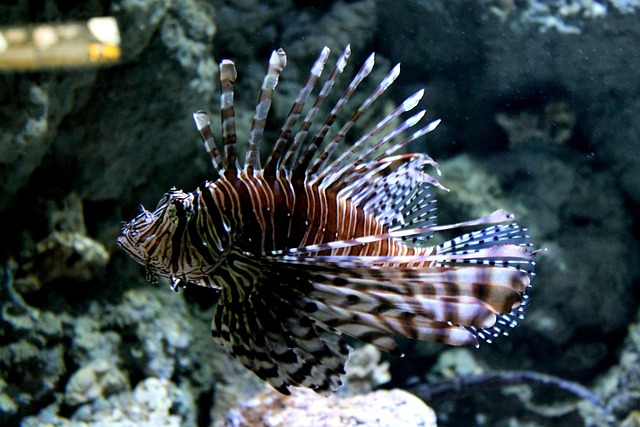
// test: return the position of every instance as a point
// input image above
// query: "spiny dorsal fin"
(325, 154)
(228, 75)
(284, 137)
(291, 154)
(204, 127)
(397, 193)
(277, 62)
(341, 161)
(300, 169)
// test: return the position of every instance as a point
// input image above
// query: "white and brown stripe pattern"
(315, 244)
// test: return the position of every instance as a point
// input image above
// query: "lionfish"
(317, 243)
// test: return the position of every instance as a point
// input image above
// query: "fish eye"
(173, 207)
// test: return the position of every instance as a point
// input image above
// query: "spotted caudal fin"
(279, 318)
(278, 314)
(468, 248)
(455, 297)
(375, 302)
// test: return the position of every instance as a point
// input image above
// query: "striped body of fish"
(312, 244)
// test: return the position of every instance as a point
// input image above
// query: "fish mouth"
(131, 247)
(135, 233)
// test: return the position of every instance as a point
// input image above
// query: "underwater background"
(540, 109)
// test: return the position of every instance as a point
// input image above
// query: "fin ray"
(277, 62)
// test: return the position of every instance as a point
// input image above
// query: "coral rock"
(306, 408)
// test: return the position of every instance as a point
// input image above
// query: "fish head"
(148, 238)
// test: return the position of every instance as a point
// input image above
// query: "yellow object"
(92, 43)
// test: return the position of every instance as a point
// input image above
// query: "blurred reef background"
(540, 102)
